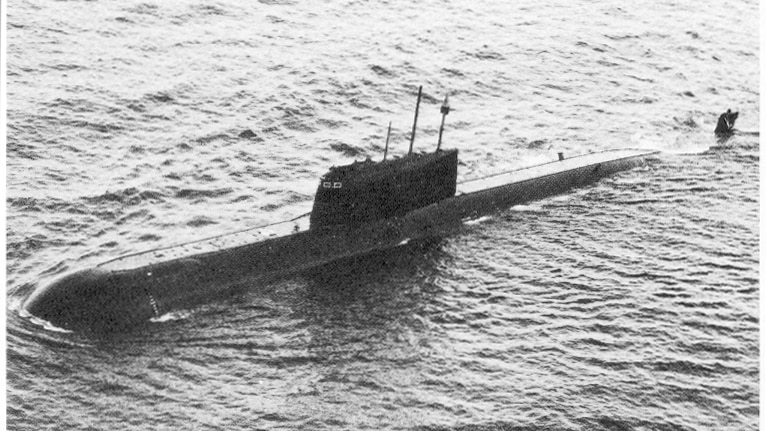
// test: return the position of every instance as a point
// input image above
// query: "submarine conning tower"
(366, 191)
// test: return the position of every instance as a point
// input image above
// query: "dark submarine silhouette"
(358, 208)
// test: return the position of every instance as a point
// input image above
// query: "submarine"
(358, 208)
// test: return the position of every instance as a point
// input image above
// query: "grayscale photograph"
(440, 215)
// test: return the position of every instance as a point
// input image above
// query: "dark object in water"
(359, 208)
(726, 122)
(248, 134)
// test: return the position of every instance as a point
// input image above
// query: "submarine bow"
(90, 298)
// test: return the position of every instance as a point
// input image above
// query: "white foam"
(679, 144)
(48, 326)
(171, 317)
(527, 208)
(477, 221)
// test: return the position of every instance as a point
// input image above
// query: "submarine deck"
(207, 245)
(545, 169)
(301, 223)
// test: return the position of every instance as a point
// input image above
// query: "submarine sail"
(367, 191)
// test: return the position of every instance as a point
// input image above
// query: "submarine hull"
(112, 296)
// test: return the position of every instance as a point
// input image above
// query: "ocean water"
(631, 304)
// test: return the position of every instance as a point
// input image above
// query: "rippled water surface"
(629, 304)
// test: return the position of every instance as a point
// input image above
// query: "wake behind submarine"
(358, 208)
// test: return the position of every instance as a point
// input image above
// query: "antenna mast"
(415, 123)
(444, 111)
